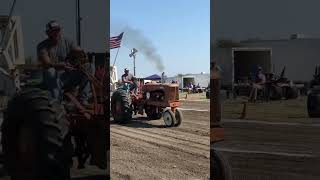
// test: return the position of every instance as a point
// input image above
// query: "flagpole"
(115, 59)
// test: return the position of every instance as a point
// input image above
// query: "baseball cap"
(126, 69)
(52, 25)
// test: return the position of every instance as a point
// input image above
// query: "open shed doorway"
(246, 63)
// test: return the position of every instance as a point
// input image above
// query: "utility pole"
(133, 54)
(78, 23)
(134, 65)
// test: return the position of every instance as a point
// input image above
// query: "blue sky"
(178, 29)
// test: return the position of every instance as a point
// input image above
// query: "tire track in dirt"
(164, 141)
(146, 149)
(203, 125)
(200, 120)
(281, 138)
(172, 136)
(272, 166)
(194, 138)
(264, 150)
(137, 159)
(198, 125)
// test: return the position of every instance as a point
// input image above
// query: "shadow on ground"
(96, 177)
(140, 122)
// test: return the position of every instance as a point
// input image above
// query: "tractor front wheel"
(169, 118)
(179, 117)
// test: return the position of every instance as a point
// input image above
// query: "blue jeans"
(57, 81)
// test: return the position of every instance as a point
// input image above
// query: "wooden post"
(215, 113)
(244, 111)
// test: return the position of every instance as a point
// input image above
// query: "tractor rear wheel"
(221, 167)
(313, 104)
(179, 117)
(120, 107)
(35, 138)
(169, 118)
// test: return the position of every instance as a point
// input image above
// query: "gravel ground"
(146, 149)
(276, 141)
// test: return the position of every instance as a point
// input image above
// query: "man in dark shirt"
(129, 78)
(52, 54)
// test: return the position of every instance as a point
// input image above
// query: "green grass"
(278, 111)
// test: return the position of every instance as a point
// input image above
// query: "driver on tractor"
(57, 72)
(129, 79)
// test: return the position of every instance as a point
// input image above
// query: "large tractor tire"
(275, 93)
(221, 167)
(120, 107)
(35, 138)
(313, 104)
(292, 93)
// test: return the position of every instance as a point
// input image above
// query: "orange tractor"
(155, 99)
(40, 135)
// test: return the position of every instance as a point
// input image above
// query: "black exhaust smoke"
(134, 38)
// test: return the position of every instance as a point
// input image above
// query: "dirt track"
(146, 149)
(271, 149)
(256, 149)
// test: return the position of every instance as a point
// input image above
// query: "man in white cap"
(52, 54)
(129, 78)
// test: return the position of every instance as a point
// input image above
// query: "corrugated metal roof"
(279, 40)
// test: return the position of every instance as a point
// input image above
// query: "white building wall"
(202, 79)
(300, 56)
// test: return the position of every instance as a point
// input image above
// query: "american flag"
(115, 42)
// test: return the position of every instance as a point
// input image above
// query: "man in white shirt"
(257, 85)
